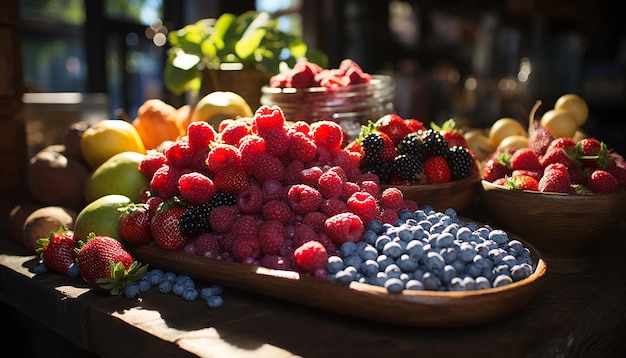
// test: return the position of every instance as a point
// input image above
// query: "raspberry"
(368, 177)
(268, 167)
(410, 205)
(196, 188)
(330, 185)
(349, 188)
(273, 190)
(276, 141)
(276, 262)
(371, 187)
(303, 198)
(327, 134)
(271, 236)
(227, 240)
(250, 200)
(303, 233)
(311, 176)
(276, 210)
(333, 206)
(300, 126)
(388, 216)
(311, 256)
(233, 132)
(266, 117)
(207, 245)
(232, 180)
(198, 161)
(364, 205)
(165, 181)
(223, 156)
(292, 172)
(330, 245)
(179, 154)
(222, 218)
(316, 220)
(245, 225)
(250, 147)
(245, 247)
(152, 161)
(302, 147)
(392, 198)
(200, 134)
(344, 227)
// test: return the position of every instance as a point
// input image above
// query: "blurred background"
(475, 60)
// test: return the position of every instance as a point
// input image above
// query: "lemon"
(514, 141)
(118, 175)
(560, 122)
(503, 128)
(219, 105)
(101, 217)
(575, 105)
(108, 137)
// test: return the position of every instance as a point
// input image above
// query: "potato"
(17, 218)
(56, 179)
(44, 221)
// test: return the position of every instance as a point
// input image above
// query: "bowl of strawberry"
(431, 166)
(562, 198)
(347, 94)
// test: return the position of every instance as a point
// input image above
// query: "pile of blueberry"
(431, 250)
(179, 285)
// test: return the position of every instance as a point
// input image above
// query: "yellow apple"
(108, 137)
(560, 122)
(503, 128)
(575, 105)
(219, 105)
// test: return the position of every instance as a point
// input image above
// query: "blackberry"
(379, 167)
(195, 221)
(461, 162)
(407, 167)
(372, 145)
(411, 145)
(433, 143)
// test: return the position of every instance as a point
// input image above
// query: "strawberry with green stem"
(106, 265)
(135, 224)
(165, 225)
(450, 133)
(58, 250)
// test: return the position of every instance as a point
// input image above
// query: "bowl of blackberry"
(431, 166)
(563, 197)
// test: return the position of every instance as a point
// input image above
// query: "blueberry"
(482, 283)
(353, 260)
(431, 282)
(375, 226)
(215, 302)
(393, 271)
(392, 249)
(456, 284)
(434, 261)
(444, 240)
(182, 278)
(384, 261)
(425, 225)
(520, 272)
(415, 249)
(348, 248)
(170, 276)
(419, 215)
(447, 274)
(472, 270)
(407, 263)
(414, 285)
(165, 286)
(40, 267)
(405, 234)
(381, 242)
(502, 280)
(369, 267)
(516, 247)
(178, 288)
(131, 291)
(449, 254)
(499, 236)
(144, 285)
(450, 212)
(394, 285)
(334, 264)
(509, 260)
(496, 255)
(369, 252)
(73, 271)
(154, 279)
(405, 214)
(466, 252)
(469, 283)
(370, 236)
(190, 294)
(463, 234)
(482, 250)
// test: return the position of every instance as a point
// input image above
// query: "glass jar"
(350, 106)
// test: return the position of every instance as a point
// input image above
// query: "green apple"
(101, 217)
(117, 175)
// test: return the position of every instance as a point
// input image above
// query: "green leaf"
(245, 47)
(178, 80)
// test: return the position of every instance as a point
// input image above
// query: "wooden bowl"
(562, 227)
(409, 308)
(456, 194)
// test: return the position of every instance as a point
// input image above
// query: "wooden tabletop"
(573, 315)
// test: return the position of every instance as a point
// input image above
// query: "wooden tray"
(410, 308)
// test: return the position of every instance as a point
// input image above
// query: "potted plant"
(220, 54)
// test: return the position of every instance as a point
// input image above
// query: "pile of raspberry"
(297, 194)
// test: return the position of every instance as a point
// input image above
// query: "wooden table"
(573, 315)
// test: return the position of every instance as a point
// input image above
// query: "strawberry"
(555, 179)
(58, 250)
(448, 131)
(557, 154)
(394, 126)
(436, 170)
(165, 226)
(593, 153)
(135, 224)
(526, 159)
(414, 124)
(601, 181)
(106, 265)
(522, 182)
